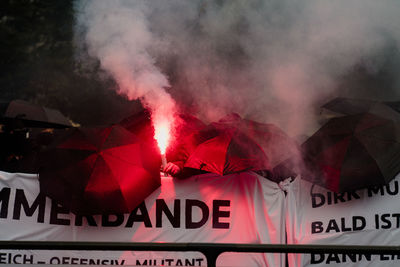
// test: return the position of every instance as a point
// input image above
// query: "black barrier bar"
(210, 250)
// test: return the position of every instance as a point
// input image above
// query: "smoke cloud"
(118, 35)
(272, 61)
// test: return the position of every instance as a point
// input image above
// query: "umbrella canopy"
(349, 106)
(353, 152)
(139, 124)
(185, 125)
(253, 139)
(223, 149)
(32, 115)
(282, 151)
(353, 106)
(99, 170)
(276, 144)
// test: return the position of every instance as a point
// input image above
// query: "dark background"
(37, 64)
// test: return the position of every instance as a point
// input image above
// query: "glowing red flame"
(162, 134)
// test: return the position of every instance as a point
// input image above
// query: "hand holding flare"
(171, 168)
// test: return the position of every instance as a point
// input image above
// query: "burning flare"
(162, 133)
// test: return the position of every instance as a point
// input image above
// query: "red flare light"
(162, 134)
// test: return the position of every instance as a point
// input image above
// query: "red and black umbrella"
(99, 170)
(185, 126)
(223, 149)
(276, 144)
(234, 144)
(282, 151)
(353, 152)
(220, 148)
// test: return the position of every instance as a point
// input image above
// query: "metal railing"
(210, 250)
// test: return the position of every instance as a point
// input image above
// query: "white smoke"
(117, 33)
(271, 61)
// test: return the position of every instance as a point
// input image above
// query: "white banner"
(363, 217)
(237, 208)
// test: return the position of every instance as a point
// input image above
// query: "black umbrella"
(353, 106)
(353, 152)
(349, 106)
(31, 115)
